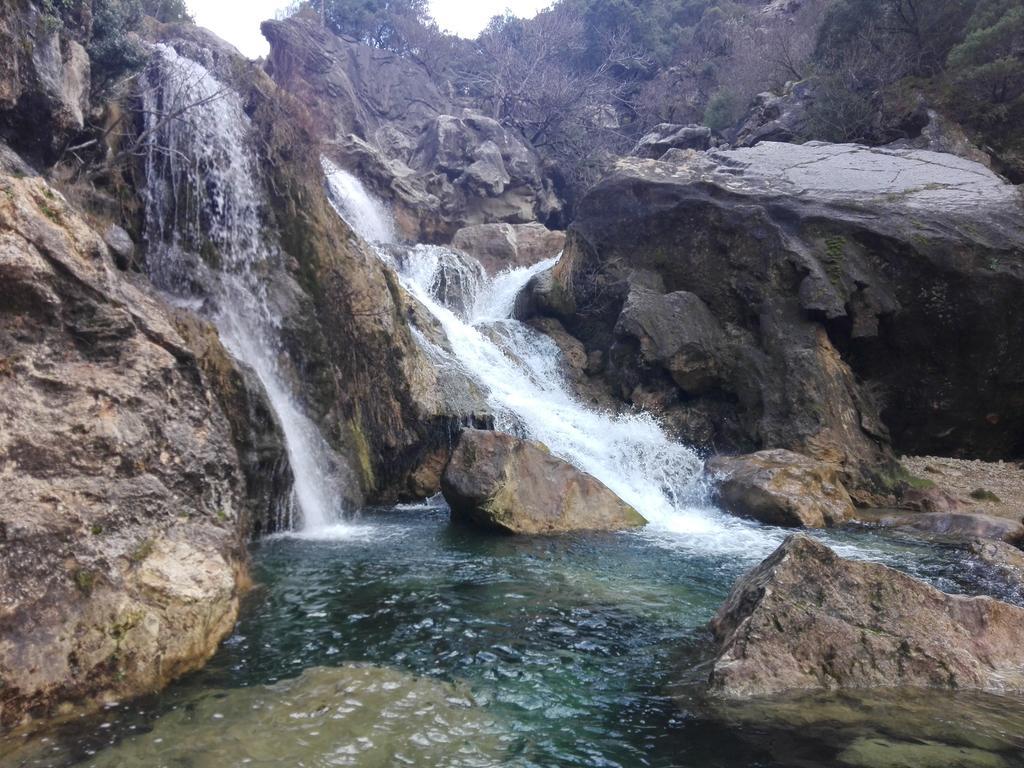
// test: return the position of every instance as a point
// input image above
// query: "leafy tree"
(380, 23)
(115, 46)
(167, 11)
(988, 66)
(723, 111)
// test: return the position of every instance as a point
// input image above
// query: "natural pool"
(407, 641)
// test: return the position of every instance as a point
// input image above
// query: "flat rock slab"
(846, 173)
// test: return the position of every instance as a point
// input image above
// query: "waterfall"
(521, 370)
(364, 213)
(206, 245)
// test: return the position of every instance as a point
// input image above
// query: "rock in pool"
(500, 482)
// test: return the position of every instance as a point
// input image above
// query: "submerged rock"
(356, 715)
(962, 526)
(807, 619)
(498, 481)
(881, 752)
(780, 487)
(876, 727)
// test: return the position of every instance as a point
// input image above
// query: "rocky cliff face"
(124, 496)
(830, 299)
(442, 165)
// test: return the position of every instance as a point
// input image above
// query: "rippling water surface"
(404, 640)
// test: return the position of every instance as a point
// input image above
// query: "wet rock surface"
(836, 273)
(807, 619)
(499, 482)
(44, 80)
(779, 487)
(380, 402)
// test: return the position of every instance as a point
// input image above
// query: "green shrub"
(115, 48)
(983, 494)
(723, 111)
(167, 11)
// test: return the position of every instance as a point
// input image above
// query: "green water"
(412, 642)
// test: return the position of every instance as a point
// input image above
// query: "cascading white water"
(203, 197)
(364, 213)
(521, 371)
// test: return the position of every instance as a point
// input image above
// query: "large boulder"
(506, 246)
(807, 619)
(781, 116)
(499, 482)
(837, 274)
(125, 505)
(382, 116)
(779, 487)
(940, 134)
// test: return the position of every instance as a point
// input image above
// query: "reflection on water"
(493, 650)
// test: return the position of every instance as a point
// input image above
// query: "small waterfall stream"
(520, 369)
(204, 197)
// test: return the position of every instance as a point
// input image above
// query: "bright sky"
(238, 21)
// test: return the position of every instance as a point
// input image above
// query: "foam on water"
(332, 532)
